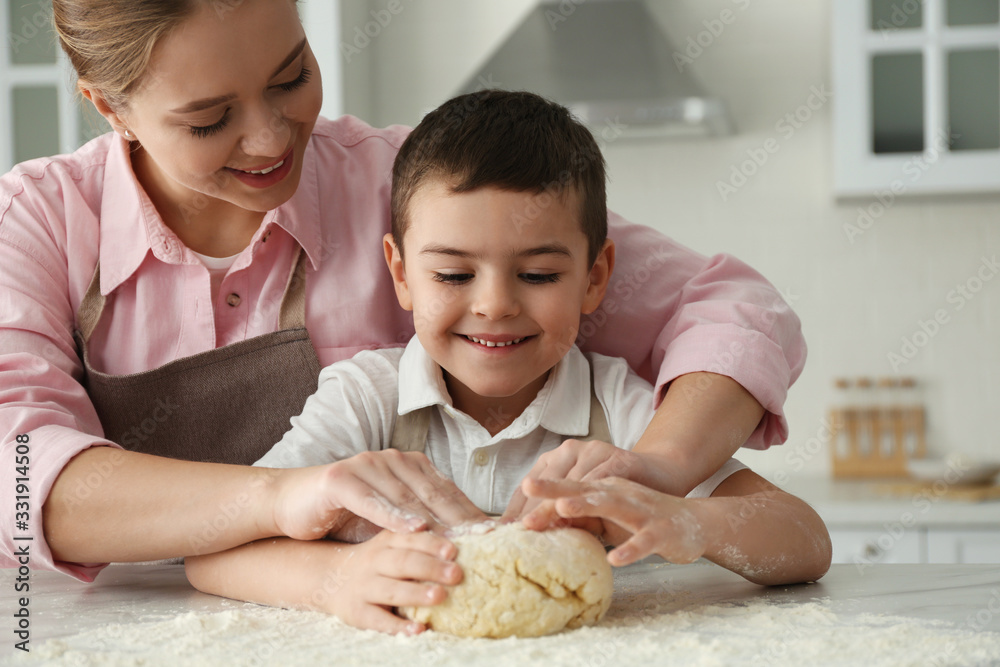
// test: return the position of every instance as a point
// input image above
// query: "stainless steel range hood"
(608, 61)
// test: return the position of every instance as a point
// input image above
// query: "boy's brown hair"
(514, 141)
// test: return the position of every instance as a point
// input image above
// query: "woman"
(174, 286)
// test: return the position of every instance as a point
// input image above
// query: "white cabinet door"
(916, 90)
(39, 113)
(945, 545)
(871, 546)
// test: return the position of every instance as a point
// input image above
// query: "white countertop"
(964, 600)
(859, 502)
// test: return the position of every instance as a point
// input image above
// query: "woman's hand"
(572, 460)
(638, 519)
(400, 491)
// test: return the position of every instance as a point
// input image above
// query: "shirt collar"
(131, 227)
(562, 406)
(421, 381)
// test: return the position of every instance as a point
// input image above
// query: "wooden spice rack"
(874, 438)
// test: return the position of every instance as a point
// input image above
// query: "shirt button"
(481, 458)
(233, 299)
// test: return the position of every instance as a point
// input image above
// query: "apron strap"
(598, 429)
(91, 307)
(293, 304)
(410, 431)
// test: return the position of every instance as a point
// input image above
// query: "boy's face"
(496, 281)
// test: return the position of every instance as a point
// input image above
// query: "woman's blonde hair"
(110, 42)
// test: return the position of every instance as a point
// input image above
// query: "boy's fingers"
(391, 592)
(514, 508)
(635, 548)
(417, 557)
(542, 493)
(374, 617)
(544, 516)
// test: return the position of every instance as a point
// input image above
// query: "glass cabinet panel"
(898, 103)
(30, 39)
(974, 99)
(896, 14)
(973, 12)
(36, 117)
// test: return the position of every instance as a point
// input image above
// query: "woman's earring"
(128, 135)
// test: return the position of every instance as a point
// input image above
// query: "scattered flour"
(642, 629)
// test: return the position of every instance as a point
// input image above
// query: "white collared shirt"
(355, 406)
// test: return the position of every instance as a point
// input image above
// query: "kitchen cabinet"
(40, 113)
(866, 546)
(916, 97)
(869, 525)
(956, 545)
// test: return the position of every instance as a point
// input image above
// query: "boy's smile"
(497, 283)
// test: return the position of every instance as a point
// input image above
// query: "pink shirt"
(668, 310)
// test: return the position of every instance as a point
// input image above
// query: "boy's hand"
(640, 520)
(573, 460)
(394, 570)
(400, 491)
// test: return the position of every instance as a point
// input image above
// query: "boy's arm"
(748, 525)
(358, 583)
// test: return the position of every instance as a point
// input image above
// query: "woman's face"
(226, 109)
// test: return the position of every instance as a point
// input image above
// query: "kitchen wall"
(860, 289)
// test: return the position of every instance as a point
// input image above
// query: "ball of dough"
(523, 583)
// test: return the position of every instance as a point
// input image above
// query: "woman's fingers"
(573, 459)
(377, 498)
(439, 494)
(401, 491)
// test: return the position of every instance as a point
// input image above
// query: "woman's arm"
(702, 420)
(748, 525)
(672, 313)
(180, 508)
(358, 583)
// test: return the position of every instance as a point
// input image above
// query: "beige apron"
(227, 405)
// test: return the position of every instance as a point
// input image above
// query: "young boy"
(498, 246)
